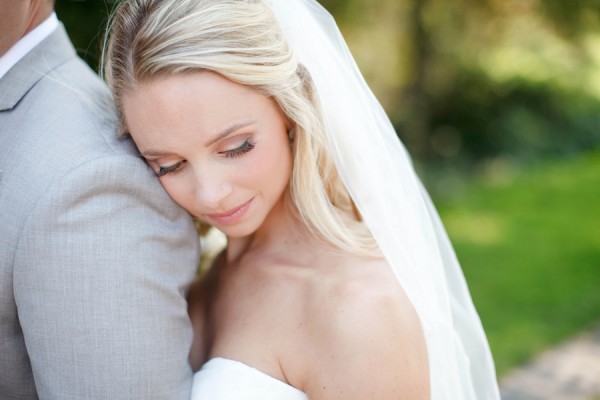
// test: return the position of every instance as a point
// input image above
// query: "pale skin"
(331, 324)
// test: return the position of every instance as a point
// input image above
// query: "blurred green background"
(498, 101)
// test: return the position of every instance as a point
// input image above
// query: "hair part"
(240, 40)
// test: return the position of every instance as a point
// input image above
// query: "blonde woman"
(337, 281)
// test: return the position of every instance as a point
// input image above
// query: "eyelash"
(243, 149)
(162, 171)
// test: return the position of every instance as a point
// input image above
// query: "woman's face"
(220, 149)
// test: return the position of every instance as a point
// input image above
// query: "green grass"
(529, 245)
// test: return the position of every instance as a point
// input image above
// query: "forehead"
(201, 93)
(200, 102)
(194, 89)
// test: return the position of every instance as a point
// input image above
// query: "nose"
(211, 191)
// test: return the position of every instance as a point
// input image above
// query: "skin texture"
(213, 174)
(19, 17)
(331, 324)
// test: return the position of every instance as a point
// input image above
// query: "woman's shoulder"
(365, 336)
(355, 284)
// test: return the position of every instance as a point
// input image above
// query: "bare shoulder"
(366, 337)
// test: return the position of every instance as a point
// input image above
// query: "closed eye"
(162, 171)
(243, 149)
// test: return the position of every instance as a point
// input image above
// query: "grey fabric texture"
(95, 258)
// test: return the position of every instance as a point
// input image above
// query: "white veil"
(378, 173)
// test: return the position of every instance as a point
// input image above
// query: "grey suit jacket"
(95, 258)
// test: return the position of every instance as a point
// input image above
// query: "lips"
(232, 216)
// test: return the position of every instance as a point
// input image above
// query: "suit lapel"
(52, 52)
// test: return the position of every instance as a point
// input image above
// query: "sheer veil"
(377, 171)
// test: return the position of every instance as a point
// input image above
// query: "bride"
(337, 281)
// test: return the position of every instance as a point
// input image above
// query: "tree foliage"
(462, 81)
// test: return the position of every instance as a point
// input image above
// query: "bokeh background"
(498, 101)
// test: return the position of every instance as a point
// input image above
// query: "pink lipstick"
(232, 216)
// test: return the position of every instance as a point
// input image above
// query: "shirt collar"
(27, 43)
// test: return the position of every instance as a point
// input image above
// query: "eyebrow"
(224, 134)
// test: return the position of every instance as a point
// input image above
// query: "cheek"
(272, 165)
(181, 191)
(266, 169)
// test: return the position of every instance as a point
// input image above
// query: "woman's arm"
(199, 298)
(197, 312)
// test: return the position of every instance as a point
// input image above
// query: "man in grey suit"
(95, 258)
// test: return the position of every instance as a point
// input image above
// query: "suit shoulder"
(120, 174)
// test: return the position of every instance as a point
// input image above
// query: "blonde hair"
(240, 40)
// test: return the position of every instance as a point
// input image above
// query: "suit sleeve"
(100, 278)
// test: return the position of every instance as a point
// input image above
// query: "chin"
(237, 231)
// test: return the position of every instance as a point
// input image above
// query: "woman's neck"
(282, 227)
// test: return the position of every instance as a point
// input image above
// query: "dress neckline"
(213, 362)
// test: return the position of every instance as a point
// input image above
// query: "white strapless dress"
(223, 379)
